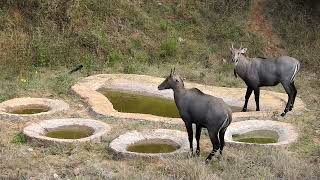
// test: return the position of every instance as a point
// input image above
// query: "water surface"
(145, 104)
(152, 148)
(257, 136)
(70, 132)
(30, 110)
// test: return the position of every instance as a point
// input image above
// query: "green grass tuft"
(168, 48)
(19, 138)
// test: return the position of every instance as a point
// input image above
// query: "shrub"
(114, 57)
(168, 48)
(163, 25)
(140, 56)
(90, 63)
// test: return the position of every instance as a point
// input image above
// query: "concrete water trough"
(153, 143)
(64, 131)
(261, 133)
(30, 108)
(92, 89)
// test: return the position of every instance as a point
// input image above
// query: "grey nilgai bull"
(201, 109)
(258, 72)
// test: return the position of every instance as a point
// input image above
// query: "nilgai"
(258, 72)
(201, 109)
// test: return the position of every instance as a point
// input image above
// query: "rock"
(56, 176)
(180, 39)
(76, 171)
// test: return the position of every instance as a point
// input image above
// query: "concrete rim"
(120, 144)
(287, 133)
(36, 131)
(272, 103)
(55, 106)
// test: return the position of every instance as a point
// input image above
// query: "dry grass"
(95, 160)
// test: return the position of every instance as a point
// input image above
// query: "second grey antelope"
(258, 72)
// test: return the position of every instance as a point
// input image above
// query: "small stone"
(48, 95)
(224, 60)
(76, 171)
(55, 175)
(180, 39)
(30, 149)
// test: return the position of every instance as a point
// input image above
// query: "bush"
(90, 63)
(168, 48)
(163, 25)
(114, 57)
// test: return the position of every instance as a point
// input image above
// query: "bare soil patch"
(259, 23)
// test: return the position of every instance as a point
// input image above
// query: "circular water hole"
(29, 108)
(154, 146)
(260, 132)
(151, 143)
(72, 130)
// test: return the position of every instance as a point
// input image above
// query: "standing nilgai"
(201, 109)
(258, 72)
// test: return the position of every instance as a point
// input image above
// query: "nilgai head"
(237, 53)
(173, 81)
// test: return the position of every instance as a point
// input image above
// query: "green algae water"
(30, 110)
(152, 148)
(257, 137)
(137, 103)
(70, 132)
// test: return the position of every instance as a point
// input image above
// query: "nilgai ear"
(232, 47)
(174, 70)
(171, 72)
(243, 50)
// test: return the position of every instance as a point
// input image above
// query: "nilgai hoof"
(207, 161)
(290, 108)
(283, 114)
(191, 155)
(244, 110)
(198, 153)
